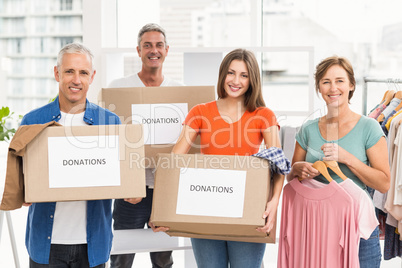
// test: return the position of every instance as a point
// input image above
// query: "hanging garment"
(377, 111)
(392, 205)
(366, 218)
(390, 108)
(375, 107)
(397, 200)
(392, 243)
(380, 198)
(384, 123)
(388, 124)
(318, 227)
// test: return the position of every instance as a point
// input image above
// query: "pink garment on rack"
(318, 227)
(377, 111)
(364, 208)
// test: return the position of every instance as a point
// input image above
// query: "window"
(16, 86)
(40, 45)
(40, 24)
(18, 105)
(16, 25)
(66, 4)
(65, 40)
(41, 66)
(17, 66)
(40, 87)
(65, 24)
(285, 82)
(15, 46)
(40, 6)
(16, 6)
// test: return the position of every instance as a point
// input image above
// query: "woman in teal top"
(356, 142)
(364, 135)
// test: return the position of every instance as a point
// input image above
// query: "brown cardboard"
(119, 101)
(36, 165)
(222, 228)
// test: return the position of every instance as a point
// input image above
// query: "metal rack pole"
(374, 80)
(11, 233)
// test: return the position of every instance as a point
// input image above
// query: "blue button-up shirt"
(99, 212)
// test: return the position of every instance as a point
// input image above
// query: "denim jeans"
(66, 256)
(129, 216)
(219, 254)
(370, 251)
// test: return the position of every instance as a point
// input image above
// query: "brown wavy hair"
(253, 96)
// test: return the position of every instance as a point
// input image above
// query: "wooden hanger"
(380, 118)
(383, 97)
(389, 95)
(333, 165)
(322, 168)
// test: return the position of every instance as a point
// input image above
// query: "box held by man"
(161, 110)
(84, 163)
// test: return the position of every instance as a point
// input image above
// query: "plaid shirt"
(278, 162)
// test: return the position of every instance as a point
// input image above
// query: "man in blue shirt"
(77, 233)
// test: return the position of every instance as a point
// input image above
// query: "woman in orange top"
(235, 124)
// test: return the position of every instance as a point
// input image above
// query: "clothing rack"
(367, 80)
(11, 233)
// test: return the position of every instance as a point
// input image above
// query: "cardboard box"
(212, 196)
(160, 138)
(84, 163)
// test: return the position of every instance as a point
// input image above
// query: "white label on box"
(211, 192)
(162, 123)
(76, 162)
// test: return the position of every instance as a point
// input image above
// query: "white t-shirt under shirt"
(135, 81)
(70, 218)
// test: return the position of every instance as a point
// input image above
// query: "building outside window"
(31, 34)
(66, 4)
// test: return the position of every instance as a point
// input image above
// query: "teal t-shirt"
(365, 134)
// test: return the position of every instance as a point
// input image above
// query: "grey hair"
(150, 27)
(74, 48)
